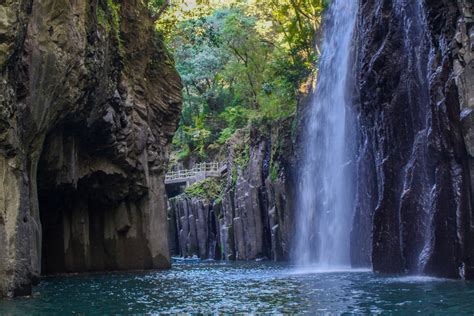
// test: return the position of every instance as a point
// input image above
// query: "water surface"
(260, 287)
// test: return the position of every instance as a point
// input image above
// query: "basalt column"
(89, 102)
(413, 207)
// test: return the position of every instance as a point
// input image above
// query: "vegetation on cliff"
(241, 61)
(209, 189)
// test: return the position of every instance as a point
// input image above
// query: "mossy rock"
(209, 189)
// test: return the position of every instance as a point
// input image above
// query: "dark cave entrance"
(175, 189)
(73, 228)
(89, 215)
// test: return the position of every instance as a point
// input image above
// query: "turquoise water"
(245, 287)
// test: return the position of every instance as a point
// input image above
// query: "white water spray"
(325, 201)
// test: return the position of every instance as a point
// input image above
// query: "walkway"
(198, 173)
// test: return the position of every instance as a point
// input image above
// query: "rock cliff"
(89, 102)
(413, 98)
(412, 95)
(463, 55)
(249, 214)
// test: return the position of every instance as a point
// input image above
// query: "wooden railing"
(201, 170)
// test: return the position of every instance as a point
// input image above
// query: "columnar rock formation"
(252, 218)
(414, 207)
(413, 100)
(89, 102)
(463, 54)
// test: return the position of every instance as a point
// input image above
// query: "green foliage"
(156, 5)
(115, 11)
(207, 189)
(184, 152)
(240, 153)
(273, 172)
(108, 16)
(235, 118)
(192, 137)
(241, 61)
(242, 156)
(102, 19)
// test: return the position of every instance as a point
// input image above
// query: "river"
(243, 287)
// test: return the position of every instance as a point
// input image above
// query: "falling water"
(325, 203)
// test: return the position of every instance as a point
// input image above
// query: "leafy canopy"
(240, 61)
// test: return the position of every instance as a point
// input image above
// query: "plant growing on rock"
(240, 61)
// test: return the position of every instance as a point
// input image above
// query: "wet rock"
(463, 54)
(226, 226)
(413, 207)
(89, 104)
(196, 234)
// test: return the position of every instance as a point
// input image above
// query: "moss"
(109, 18)
(210, 189)
(115, 11)
(294, 127)
(102, 19)
(218, 199)
(274, 171)
(241, 152)
(274, 165)
(280, 136)
(241, 160)
(242, 155)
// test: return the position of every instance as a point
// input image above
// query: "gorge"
(348, 145)
(372, 181)
(90, 102)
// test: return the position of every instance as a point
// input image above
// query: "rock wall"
(412, 99)
(89, 102)
(196, 229)
(463, 54)
(251, 217)
(413, 72)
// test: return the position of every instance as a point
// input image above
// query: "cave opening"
(89, 217)
(73, 220)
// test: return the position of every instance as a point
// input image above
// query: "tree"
(240, 60)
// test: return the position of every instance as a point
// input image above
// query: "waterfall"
(325, 199)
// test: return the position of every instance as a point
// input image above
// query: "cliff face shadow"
(88, 211)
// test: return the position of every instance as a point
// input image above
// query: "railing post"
(203, 169)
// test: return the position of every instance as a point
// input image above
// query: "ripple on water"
(415, 279)
(243, 287)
